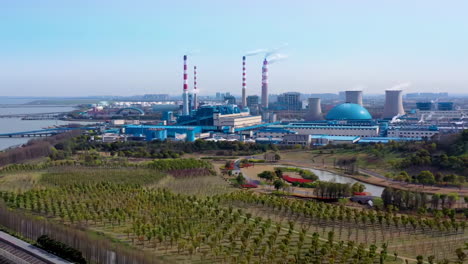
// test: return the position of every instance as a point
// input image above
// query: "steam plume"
(277, 57)
(401, 86)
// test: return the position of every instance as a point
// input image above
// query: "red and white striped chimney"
(265, 84)
(195, 90)
(244, 96)
(185, 106)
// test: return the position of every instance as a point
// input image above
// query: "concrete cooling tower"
(354, 97)
(393, 104)
(315, 110)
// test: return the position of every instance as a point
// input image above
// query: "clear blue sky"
(89, 47)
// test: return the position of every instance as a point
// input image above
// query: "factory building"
(424, 106)
(273, 133)
(230, 99)
(289, 101)
(297, 139)
(236, 120)
(253, 100)
(322, 140)
(334, 130)
(150, 133)
(343, 120)
(412, 131)
(445, 106)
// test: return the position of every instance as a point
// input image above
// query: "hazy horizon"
(118, 48)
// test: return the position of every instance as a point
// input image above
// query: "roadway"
(16, 251)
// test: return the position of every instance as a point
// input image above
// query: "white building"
(412, 132)
(335, 130)
(236, 120)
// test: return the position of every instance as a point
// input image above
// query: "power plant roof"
(348, 111)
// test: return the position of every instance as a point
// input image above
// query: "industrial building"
(255, 117)
(273, 133)
(237, 120)
(150, 133)
(412, 131)
(289, 101)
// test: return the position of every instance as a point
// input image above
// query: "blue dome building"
(348, 111)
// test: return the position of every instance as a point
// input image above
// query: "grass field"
(19, 181)
(327, 157)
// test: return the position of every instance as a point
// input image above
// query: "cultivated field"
(180, 218)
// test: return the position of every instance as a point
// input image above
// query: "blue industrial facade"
(162, 132)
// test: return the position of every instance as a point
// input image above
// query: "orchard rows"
(178, 225)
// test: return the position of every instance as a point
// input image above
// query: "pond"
(333, 177)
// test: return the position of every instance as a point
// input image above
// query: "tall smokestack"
(265, 84)
(393, 104)
(315, 110)
(354, 97)
(185, 106)
(195, 90)
(244, 96)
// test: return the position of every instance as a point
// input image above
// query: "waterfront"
(332, 177)
(15, 106)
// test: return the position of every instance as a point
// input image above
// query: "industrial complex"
(290, 118)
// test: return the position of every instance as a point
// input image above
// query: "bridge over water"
(44, 132)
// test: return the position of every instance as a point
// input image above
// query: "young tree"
(426, 177)
(279, 184)
(240, 180)
(358, 187)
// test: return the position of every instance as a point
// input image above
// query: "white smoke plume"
(274, 51)
(256, 52)
(267, 52)
(277, 57)
(400, 86)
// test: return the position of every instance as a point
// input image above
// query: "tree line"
(409, 200)
(35, 148)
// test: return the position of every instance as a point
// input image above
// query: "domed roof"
(348, 111)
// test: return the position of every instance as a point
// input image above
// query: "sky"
(113, 47)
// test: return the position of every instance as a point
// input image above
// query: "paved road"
(13, 250)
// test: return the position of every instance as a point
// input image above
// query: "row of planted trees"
(408, 200)
(196, 229)
(411, 234)
(166, 165)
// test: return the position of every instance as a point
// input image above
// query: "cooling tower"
(354, 97)
(393, 104)
(315, 110)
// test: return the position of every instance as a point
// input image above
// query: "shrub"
(60, 249)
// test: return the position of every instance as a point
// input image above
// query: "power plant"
(255, 118)
(265, 84)
(354, 97)
(244, 95)
(185, 95)
(315, 110)
(393, 104)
